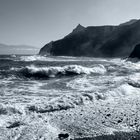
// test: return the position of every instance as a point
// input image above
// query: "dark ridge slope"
(97, 41)
(136, 52)
(129, 22)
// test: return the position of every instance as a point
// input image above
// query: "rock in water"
(63, 136)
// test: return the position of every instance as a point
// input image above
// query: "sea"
(49, 94)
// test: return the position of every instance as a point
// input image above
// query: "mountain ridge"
(97, 41)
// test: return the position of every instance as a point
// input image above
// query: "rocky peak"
(78, 28)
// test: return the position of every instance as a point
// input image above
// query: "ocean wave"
(68, 70)
(6, 60)
(134, 80)
(45, 58)
(13, 55)
(33, 58)
(97, 83)
(123, 91)
(62, 58)
(8, 109)
(61, 103)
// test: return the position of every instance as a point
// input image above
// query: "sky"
(37, 22)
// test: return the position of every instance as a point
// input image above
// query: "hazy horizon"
(36, 23)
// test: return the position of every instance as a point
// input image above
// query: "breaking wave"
(68, 70)
(33, 58)
(58, 104)
(44, 58)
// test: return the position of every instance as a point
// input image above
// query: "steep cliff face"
(97, 41)
(46, 49)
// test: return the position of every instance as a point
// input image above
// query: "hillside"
(97, 41)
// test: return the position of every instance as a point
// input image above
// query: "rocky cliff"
(136, 52)
(97, 41)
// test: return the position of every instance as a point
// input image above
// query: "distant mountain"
(17, 49)
(97, 41)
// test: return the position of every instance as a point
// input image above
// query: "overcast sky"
(37, 22)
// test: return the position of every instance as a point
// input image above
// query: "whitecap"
(33, 58)
(68, 70)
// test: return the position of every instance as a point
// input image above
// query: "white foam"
(46, 58)
(124, 90)
(33, 58)
(97, 83)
